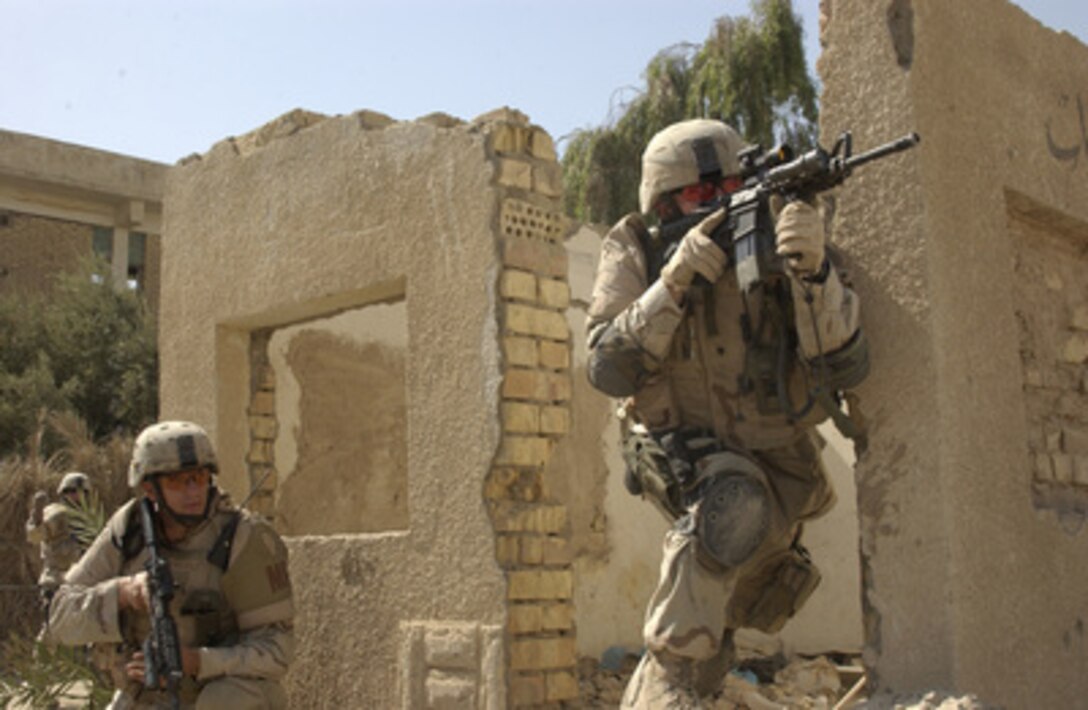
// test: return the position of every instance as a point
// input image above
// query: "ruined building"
(61, 203)
(380, 324)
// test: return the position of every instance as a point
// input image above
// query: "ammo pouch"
(767, 599)
(214, 624)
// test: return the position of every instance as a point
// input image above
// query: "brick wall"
(35, 250)
(263, 426)
(1052, 312)
(532, 533)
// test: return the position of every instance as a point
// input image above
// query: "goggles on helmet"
(704, 192)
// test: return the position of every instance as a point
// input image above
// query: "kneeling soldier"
(231, 601)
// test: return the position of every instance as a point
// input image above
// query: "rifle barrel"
(908, 141)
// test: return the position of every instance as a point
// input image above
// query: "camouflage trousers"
(228, 692)
(696, 605)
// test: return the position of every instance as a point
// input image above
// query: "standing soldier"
(50, 527)
(232, 604)
(715, 379)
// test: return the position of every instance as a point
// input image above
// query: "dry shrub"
(19, 611)
(105, 462)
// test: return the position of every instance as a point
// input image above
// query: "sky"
(162, 79)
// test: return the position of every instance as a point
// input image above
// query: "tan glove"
(697, 254)
(800, 238)
(41, 499)
(133, 592)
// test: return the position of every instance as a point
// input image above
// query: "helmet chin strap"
(187, 521)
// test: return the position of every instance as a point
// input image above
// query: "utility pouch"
(776, 592)
(650, 475)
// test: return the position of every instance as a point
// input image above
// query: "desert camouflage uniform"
(59, 547)
(692, 361)
(240, 618)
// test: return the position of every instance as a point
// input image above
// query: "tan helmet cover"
(167, 447)
(669, 161)
(74, 481)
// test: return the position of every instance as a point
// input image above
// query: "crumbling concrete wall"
(368, 317)
(970, 255)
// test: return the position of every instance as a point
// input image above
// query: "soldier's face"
(186, 492)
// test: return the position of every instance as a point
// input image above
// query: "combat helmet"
(74, 481)
(167, 447)
(687, 153)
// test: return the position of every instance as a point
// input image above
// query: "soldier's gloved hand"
(800, 238)
(132, 592)
(136, 667)
(697, 254)
(37, 513)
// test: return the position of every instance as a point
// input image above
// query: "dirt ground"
(760, 683)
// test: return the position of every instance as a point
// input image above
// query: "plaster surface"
(973, 581)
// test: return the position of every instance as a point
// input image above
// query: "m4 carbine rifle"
(747, 234)
(162, 648)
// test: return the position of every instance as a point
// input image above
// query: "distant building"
(61, 202)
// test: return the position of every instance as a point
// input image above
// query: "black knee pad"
(732, 519)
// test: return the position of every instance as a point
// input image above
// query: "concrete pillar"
(968, 253)
(119, 264)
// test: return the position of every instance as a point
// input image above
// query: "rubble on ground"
(933, 700)
(772, 683)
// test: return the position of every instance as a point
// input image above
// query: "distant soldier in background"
(50, 527)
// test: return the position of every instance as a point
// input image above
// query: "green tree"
(750, 73)
(86, 348)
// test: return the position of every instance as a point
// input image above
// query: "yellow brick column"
(262, 428)
(532, 534)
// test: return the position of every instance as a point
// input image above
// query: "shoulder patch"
(277, 576)
(258, 583)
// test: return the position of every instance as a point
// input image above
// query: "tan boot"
(662, 681)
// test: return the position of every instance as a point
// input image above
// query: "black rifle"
(162, 649)
(747, 234)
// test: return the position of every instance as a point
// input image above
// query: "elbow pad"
(846, 367)
(629, 348)
(616, 364)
